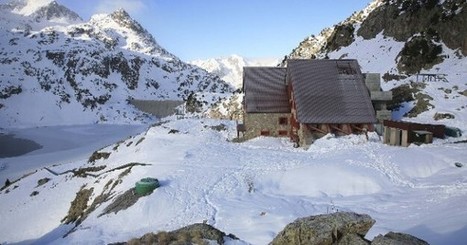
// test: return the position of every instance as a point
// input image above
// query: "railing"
(426, 77)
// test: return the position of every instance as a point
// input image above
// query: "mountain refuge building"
(308, 99)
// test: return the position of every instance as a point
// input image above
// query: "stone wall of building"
(304, 135)
(267, 124)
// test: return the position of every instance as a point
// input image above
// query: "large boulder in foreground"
(336, 228)
(192, 234)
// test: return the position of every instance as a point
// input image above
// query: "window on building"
(265, 132)
(282, 132)
(283, 121)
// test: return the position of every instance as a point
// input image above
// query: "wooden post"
(386, 133)
(395, 138)
(429, 138)
(405, 138)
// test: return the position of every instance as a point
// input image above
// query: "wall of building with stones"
(255, 123)
(304, 135)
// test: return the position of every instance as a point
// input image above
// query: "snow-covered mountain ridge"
(77, 72)
(230, 69)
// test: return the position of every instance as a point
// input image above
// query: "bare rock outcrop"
(326, 229)
(394, 238)
(192, 234)
(341, 228)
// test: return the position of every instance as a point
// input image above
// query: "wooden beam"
(363, 127)
(339, 129)
(316, 129)
(357, 128)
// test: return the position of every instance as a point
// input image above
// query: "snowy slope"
(379, 55)
(252, 189)
(230, 69)
(56, 69)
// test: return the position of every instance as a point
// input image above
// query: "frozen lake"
(24, 150)
(12, 146)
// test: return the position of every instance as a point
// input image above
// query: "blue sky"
(200, 29)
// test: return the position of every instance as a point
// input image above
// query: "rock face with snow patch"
(422, 24)
(85, 72)
(402, 19)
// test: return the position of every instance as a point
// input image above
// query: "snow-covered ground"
(251, 189)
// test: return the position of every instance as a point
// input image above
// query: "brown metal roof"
(330, 91)
(265, 90)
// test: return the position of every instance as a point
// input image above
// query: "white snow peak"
(230, 69)
(28, 7)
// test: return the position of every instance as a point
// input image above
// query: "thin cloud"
(131, 6)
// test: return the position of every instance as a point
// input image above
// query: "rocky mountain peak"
(122, 18)
(54, 11)
(42, 11)
(121, 13)
(25, 7)
(124, 27)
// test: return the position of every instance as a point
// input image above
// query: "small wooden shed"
(399, 133)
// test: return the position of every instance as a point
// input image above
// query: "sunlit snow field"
(251, 189)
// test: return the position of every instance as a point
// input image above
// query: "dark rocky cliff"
(424, 25)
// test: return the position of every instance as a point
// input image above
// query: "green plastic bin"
(146, 185)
